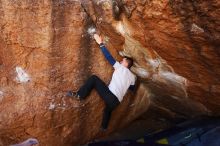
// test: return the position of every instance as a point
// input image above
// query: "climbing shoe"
(73, 95)
(102, 129)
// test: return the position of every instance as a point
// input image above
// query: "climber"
(122, 79)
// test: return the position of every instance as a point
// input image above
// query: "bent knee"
(94, 76)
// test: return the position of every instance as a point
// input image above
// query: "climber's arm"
(107, 55)
(131, 87)
(105, 51)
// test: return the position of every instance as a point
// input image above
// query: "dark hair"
(129, 60)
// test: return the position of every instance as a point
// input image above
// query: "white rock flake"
(22, 76)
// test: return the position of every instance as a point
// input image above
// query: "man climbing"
(122, 79)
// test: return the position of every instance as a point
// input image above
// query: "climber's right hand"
(98, 38)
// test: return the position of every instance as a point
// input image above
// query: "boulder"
(47, 48)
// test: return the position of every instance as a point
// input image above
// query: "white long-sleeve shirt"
(122, 78)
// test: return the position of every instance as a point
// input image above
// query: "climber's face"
(124, 62)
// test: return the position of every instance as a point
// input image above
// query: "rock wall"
(46, 48)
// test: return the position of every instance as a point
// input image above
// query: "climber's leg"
(108, 110)
(106, 117)
(91, 83)
(85, 90)
(104, 92)
(110, 99)
(98, 84)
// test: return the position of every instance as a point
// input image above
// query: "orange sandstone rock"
(46, 48)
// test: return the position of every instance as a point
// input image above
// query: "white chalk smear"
(120, 28)
(91, 30)
(100, 1)
(173, 76)
(22, 76)
(142, 72)
(175, 97)
(1, 96)
(195, 28)
(64, 102)
(123, 53)
(1, 93)
(106, 39)
(52, 106)
(154, 62)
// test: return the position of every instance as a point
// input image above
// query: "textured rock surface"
(46, 48)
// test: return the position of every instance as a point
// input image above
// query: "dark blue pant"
(110, 99)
